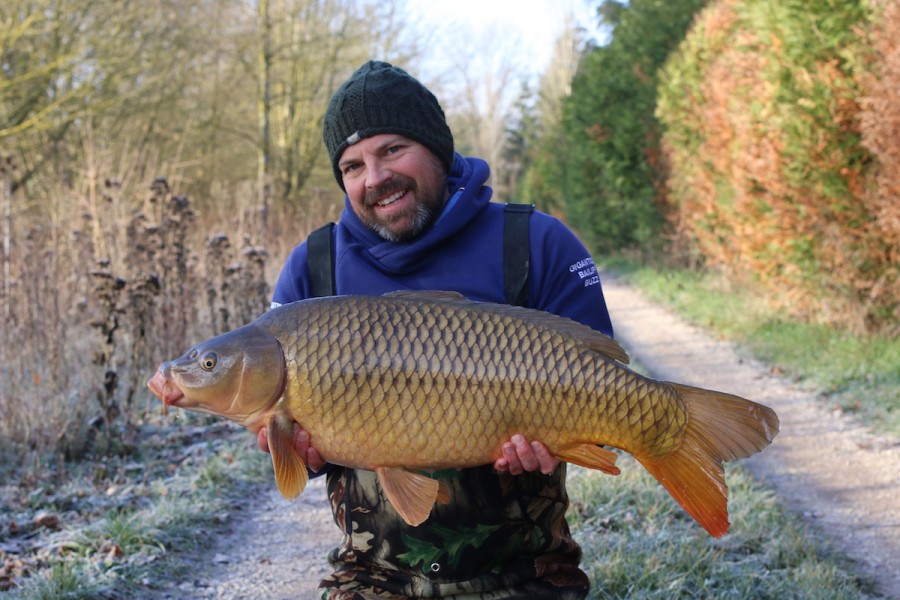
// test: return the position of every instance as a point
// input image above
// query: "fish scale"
(412, 382)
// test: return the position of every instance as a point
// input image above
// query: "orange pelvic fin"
(590, 456)
(443, 496)
(720, 428)
(290, 470)
(411, 494)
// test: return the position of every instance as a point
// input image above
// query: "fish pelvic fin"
(290, 470)
(411, 494)
(590, 456)
(720, 428)
(443, 496)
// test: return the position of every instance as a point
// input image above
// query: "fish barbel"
(412, 382)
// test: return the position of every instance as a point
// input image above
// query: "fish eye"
(208, 361)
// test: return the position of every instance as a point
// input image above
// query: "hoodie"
(462, 252)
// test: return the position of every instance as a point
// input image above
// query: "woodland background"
(160, 159)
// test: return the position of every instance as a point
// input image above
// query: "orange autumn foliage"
(784, 163)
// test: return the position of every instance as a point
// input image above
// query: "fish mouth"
(164, 389)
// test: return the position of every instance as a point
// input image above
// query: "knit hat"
(381, 98)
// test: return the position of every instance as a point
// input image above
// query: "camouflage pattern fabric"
(500, 537)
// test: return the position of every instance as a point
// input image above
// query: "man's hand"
(520, 456)
(300, 441)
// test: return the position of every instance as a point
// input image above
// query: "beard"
(421, 219)
(418, 217)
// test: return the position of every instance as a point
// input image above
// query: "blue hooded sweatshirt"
(462, 252)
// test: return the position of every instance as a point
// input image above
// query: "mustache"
(397, 183)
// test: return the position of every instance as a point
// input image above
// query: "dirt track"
(841, 478)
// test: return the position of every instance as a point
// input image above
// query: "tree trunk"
(6, 172)
(264, 104)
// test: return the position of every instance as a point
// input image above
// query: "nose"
(377, 173)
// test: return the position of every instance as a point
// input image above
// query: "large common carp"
(412, 382)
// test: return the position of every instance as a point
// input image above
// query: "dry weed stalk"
(85, 331)
(236, 291)
(107, 293)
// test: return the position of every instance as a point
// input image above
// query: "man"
(418, 215)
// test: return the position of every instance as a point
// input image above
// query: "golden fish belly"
(444, 384)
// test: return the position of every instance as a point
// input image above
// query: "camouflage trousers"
(499, 538)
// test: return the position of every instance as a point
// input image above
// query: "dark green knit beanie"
(381, 98)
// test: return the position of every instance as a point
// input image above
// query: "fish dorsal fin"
(597, 341)
(590, 456)
(411, 494)
(290, 470)
(602, 343)
(440, 295)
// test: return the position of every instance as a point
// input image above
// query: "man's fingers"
(299, 439)
(519, 456)
(546, 461)
(262, 439)
(314, 460)
(525, 453)
(303, 445)
(513, 466)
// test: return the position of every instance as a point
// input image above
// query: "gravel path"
(276, 551)
(841, 478)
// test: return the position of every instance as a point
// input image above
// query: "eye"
(208, 361)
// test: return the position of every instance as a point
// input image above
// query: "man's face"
(396, 186)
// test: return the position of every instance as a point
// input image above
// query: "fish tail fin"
(720, 428)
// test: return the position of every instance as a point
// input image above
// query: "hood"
(468, 196)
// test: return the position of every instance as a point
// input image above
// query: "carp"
(413, 382)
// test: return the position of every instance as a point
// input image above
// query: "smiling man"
(418, 215)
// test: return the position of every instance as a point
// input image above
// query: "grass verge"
(859, 374)
(638, 543)
(116, 526)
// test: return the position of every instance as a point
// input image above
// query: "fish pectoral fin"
(411, 494)
(290, 470)
(590, 456)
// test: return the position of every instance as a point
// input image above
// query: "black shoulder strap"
(320, 259)
(516, 253)
(516, 256)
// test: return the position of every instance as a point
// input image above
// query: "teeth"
(391, 199)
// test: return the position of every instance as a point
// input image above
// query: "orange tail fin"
(720, 428)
